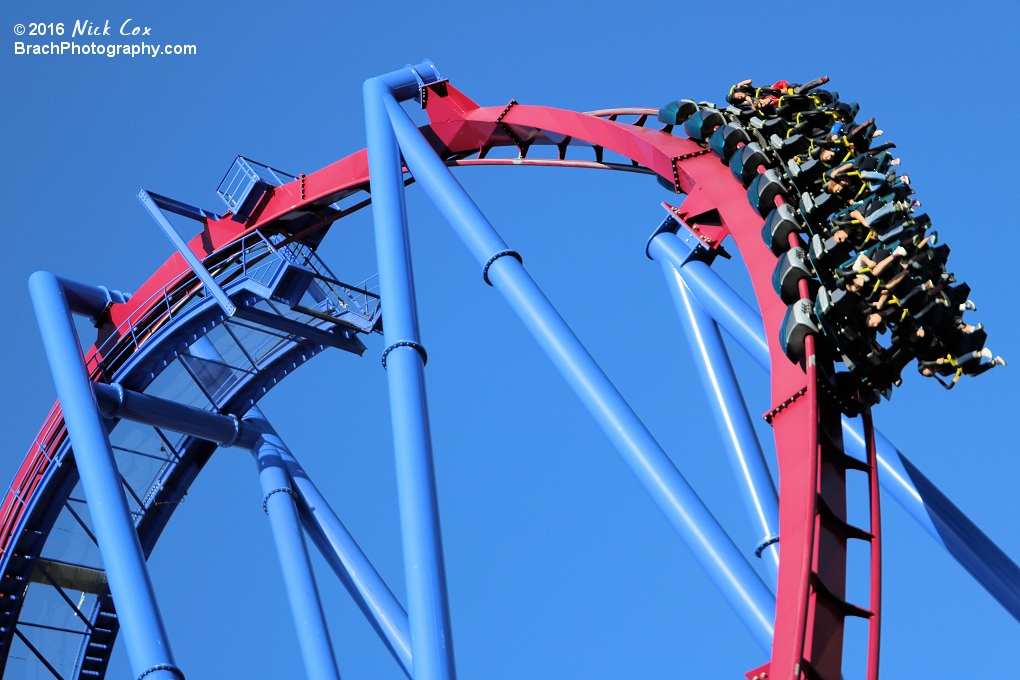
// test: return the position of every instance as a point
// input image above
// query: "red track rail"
(460, 128)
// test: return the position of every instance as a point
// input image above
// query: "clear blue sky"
(559, 565)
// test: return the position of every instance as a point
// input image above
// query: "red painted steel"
(460, 128)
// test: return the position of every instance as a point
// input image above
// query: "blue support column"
(298, 577)
(723, 391)
(714, 550)
(908, 486)
(338, 547)
(344, 555)
(404, 361)
(141, 626)
(716, 297)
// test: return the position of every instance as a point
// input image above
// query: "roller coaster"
(179, 366)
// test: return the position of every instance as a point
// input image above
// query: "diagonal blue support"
(714, 550)
(338, 547)
(141, 625)
(182, 247)
(724, 397)
(298, 577)
(404, 360)
(344, 555)
(939, 516)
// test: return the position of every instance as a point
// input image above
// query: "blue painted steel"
(246, 182)
(90, 301)
(196, 265)
(139, 369)
(305, 606)
(424, 571)
(723, 391)
(345, 557)
(892, 476)
(181, 208)
(407, 82)
(716, 297)
(375, 599)
(338, 547)
(141, 625)
(117, 402)
(943, 520)
(714, 550)
(947, 524)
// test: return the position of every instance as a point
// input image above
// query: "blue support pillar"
(141, 626)
(404, 361)
(344, 555)
(939, 516)
(298, 577)
(338, 547)
(723, 391)
(713, 549)
(715, 296)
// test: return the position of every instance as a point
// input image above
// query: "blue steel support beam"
(723, 391)
(229, 308)
(306, 608)
(713, 549)
(716, 297)
(144, 635)
(117, 402)
(908, 486)
(404, 361)
(338, 547)
(344, 555)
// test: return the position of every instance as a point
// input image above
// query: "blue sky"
(559, 565)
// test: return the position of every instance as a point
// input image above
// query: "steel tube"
(945, 522)
(915, 493)
(298, 577)
(344, 555)
(716, 297)
(117, 402)
(713, 549)
(724, 397)
(404, 360)
(142, 629)
(337, 546)
(228, 307)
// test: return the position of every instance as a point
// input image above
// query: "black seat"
(703, 123)
(763, 190)
(797, 325)
(745, 162)
(675, 113)
(828, 254)
(816, 209)
(789, 147)
(725, 140)
(807, 173)
(791, 268)
(779, 224)
(770, 126)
